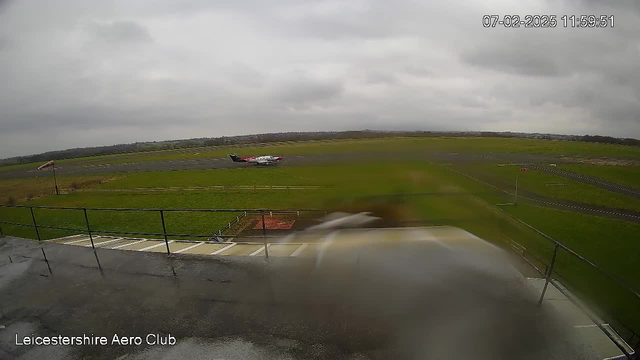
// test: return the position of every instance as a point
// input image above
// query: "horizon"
(308, 132)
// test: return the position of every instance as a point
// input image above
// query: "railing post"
(549, 273)
(86, 220)
(264, 235)
(164, 231)
(35, 225)
(46, 260)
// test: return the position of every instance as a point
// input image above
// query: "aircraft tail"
(235, 158)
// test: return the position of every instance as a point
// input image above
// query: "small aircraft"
(259, 160)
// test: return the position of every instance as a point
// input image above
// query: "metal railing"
(195, 188)
(633, 339)
(228, 226)
(165, 234)
(548, 273)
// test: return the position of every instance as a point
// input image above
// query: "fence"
(574, 271)
(630, 337)
(549, 272)
(161, 219)
(228, 226)
(196, 188)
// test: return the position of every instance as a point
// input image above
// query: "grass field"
(395, 144)
(459, 201)
(427, 144)
(536, 181)
(19, 190)
(626, 175)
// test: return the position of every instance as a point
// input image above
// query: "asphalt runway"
(82, 168)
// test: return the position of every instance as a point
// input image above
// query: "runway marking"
(133, 243)
(65, 238)
(106, 242)
(76, 241)
(188, 248)
(155, 246)
(588, 326)
(258, 251)
(223, 249)
(299, 250)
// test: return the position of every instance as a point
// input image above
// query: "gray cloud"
(305, 92)
(527, 60)
(117, 71)
(118, 32)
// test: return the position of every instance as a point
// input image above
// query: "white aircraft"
(259, 160)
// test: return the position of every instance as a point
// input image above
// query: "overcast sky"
(88, 73)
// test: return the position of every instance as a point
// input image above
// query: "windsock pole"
(55, 182)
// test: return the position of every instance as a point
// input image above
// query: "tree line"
(289, 136)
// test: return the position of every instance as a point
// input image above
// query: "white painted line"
(588, 326)
(65, 238)
(133, 243)
(426, 235)
(223, 249)
(106, 242)
(76, 241)
(188, 248)
(299, 250)
(155, 246)
(259, 250)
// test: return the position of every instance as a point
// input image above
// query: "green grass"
(346, 178)
(609, 243)
(626, 175)
(410, 144)
(177, 223)
(392, 144)
(28, 188)
(535, 181)
(340, 184)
